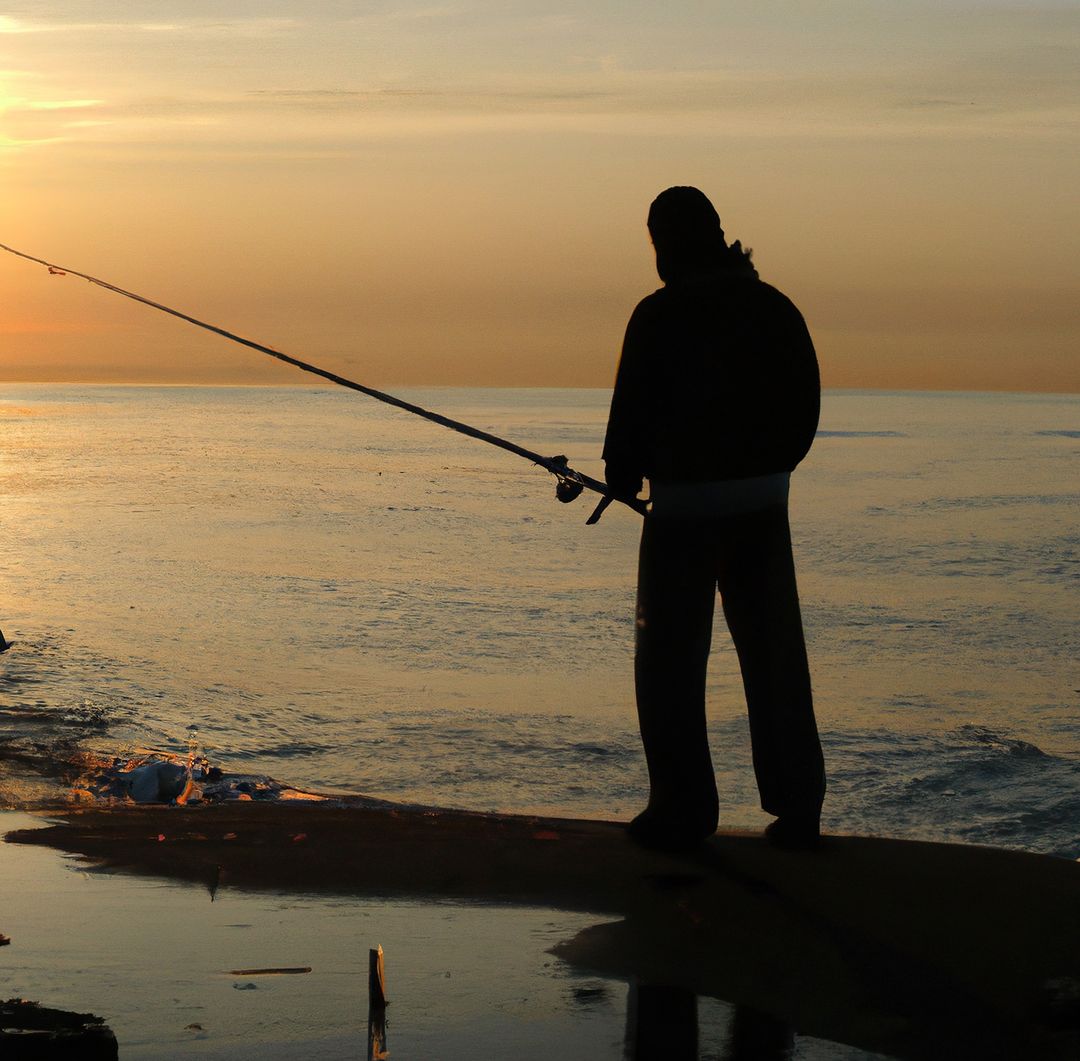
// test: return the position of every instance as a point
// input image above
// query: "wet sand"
(155, 957)
(902, 948)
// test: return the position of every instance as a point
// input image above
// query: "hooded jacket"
(718, 380)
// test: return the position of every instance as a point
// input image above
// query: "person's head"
(685, 230)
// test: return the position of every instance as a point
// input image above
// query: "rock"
(31, 1032)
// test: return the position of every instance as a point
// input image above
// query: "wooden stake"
(377, 1003)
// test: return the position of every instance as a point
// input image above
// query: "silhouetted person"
(716, 401)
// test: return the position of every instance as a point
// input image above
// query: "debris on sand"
(148, 776)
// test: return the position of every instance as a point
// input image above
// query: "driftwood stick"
(377, 1004)
(290, 970)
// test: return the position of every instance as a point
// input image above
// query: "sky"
(455, 193)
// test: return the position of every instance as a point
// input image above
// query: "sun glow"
(433, 195)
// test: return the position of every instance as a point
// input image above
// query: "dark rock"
(31, 1032)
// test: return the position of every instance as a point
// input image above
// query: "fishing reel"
(568, 486)
(567, 490)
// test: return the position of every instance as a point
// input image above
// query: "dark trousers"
(683, 562)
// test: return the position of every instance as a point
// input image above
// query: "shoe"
(794, 833)
(670, 832)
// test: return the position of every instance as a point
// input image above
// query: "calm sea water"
(348, 598)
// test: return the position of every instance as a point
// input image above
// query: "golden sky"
(455, 193)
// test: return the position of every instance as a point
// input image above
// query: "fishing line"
(569, 485)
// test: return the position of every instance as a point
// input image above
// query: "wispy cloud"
(658, 103)
(241, 27)
(398, 77)
(57, 104)
(434, 13)
(30, 122)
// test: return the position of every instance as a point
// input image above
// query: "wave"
(995, 501)
(972, 784)
(861, 434)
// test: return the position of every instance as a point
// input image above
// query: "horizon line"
(304, 385)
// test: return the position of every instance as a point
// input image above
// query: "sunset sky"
(455, 193)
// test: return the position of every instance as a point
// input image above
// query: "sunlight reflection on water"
(341, 595)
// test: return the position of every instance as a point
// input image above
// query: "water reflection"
(662, 1021)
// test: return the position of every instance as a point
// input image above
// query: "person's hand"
(623, 485)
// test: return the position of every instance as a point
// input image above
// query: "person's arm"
(803, 390)
(625, 444)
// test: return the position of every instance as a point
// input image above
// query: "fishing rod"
(569, 483)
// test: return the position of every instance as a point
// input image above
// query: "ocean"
(349, 599)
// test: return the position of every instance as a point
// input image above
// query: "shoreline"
(891, 946)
